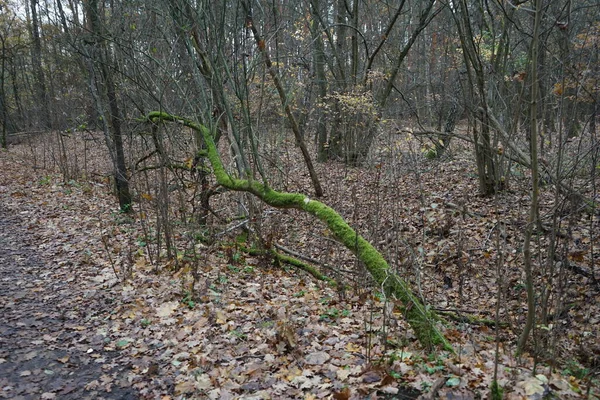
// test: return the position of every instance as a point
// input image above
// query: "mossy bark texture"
(422, 320)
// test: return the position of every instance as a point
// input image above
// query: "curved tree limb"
(260, 43)
(422, 319)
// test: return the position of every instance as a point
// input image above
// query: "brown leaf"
(318, 358)
(343, 395)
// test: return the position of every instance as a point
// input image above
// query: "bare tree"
(103, 88)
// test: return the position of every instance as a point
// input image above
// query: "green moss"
(422, 320)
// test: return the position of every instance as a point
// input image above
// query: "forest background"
(422, 174)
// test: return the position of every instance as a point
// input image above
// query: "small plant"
(233, 268)
(188, 300)
(379, 296)
(395, 375)
(266, 324)
(573, 368)
(429, 153)
(239, 334)
(334, 313)
(434, 369)
(496, 391)
(74, 183)
(145, 323)
(300, 293)
(46, 180)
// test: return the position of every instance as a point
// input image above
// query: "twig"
(463, 210)
(434, 389)
(112, 263)
(298, 255)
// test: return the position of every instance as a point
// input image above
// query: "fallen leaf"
(343, 395)
(221, 318)
(318, 358)
(166, 309)
(123, 343)
(454, 381)
(185, 387)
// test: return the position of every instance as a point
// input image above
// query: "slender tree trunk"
(321, 82)
(424, 20)
(486, 165)
(3, 106)
(533, 211)
(106, 96)
(354, 59)
(121, 178)
(38, 72)
(260, 43)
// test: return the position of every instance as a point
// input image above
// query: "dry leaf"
(166, 309)
(318, 358)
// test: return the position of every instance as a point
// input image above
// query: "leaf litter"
(265, 332)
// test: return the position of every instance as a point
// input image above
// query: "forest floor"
(85, 313)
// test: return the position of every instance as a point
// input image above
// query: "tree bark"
(106, 95)
(321, 81)
(489, 182)
(533, 211)
(38, 72)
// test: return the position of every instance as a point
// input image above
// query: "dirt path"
(44, 351)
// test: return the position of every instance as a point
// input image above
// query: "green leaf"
(454, 381)
(121, 344)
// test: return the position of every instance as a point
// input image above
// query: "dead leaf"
(166, 309)
(318, 358)
(185, 387)
(343, 395)
(221, 318)
(534, 387)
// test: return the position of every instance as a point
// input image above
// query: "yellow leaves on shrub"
(558, 89)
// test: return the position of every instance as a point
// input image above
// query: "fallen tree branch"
(297, 255)
(458, 316)
(422, 319)
(282, 258)
(432, 132)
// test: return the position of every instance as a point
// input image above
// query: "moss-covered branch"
(282, 258)
(422, 320)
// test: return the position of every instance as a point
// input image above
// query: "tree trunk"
(533, 211)
(3, 105)
(38, 72)
(424, 20)
(106, 95)
(489, 181)
(321, 82)
(260, 43)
